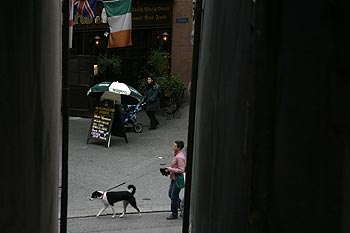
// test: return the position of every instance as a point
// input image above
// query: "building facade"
(151, 20)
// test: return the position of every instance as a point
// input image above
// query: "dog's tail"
(133, 189)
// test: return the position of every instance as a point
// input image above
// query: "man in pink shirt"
(177, 167)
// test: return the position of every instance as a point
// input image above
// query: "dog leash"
(131, 180)
(116, 186)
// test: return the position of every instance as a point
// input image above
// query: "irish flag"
(119, 20)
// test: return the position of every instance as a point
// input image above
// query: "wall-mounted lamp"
(97, 39)
(165, 36)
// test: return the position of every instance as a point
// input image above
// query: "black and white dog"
(109, 198)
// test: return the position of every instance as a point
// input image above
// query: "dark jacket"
(152, 97)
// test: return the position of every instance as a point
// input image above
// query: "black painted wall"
(222, 156)
(30, 72)
(311, 131)
(271, 144)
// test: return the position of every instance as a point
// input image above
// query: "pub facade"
(152, 20)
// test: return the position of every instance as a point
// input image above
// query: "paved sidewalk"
(148, 223)
(94, 167)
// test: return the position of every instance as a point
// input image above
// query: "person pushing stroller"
(152, 101)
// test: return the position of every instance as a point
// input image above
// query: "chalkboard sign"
(102, 121)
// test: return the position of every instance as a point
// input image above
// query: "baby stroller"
(129, 117)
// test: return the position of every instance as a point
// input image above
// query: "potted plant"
(159, 62)
(171, 86)
(109, 67)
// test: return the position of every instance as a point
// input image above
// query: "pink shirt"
(178, 164)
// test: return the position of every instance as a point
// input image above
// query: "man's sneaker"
(171, 217)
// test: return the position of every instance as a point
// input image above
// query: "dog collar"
(104, 195)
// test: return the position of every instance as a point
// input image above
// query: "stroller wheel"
(138, 127)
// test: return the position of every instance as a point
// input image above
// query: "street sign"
(181, 20)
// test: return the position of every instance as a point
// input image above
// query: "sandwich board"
(101, 122)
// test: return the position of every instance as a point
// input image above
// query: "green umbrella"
(114, 91)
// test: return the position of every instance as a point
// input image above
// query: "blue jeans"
(173, 193)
